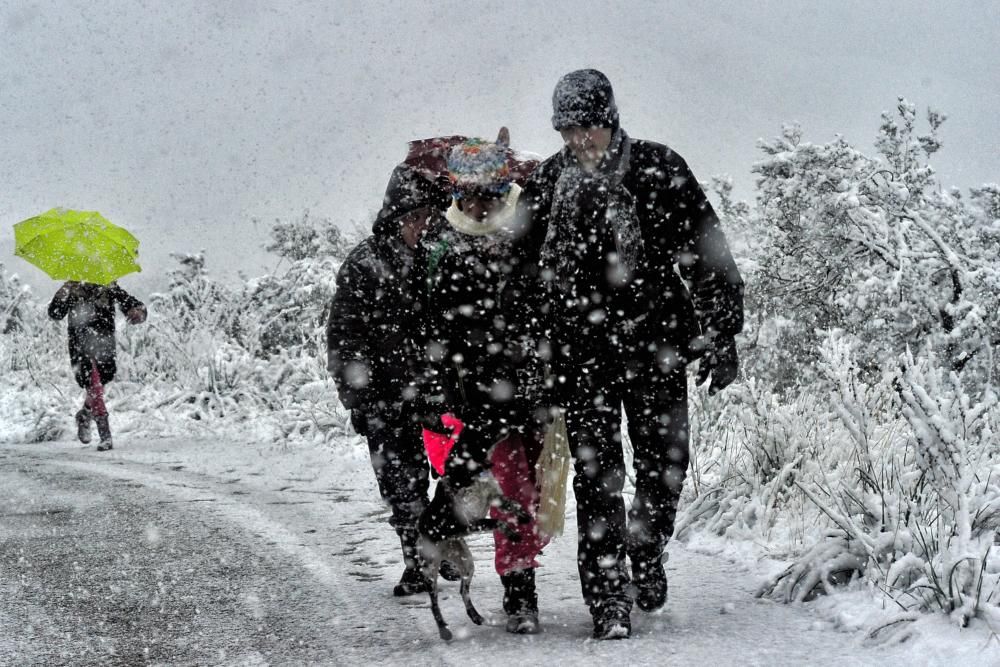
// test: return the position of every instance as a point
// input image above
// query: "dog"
(452, 514)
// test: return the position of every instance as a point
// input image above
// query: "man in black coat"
(90, 311)
(616, 229)
(375, 341)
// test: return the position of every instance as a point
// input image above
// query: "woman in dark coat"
(90, 311)
(375, 348)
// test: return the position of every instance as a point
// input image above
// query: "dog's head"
(473, 501)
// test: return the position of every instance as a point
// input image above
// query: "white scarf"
(500, 218)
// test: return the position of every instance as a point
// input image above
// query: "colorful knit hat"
(477, 167)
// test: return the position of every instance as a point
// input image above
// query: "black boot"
(520, 601)
(413, 580)
(611, 618)
(84, 418)
(650, 580)
(411, 583)
(104, 431)
(449, 572)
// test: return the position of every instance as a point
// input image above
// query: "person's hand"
(136, 315)
(70, 288)
(719, 365)
(545, 415)
(427, 411)
(359, 420)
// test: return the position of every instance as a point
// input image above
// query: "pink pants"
(95, 393)
(513, 464)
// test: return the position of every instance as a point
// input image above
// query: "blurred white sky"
(183, 120)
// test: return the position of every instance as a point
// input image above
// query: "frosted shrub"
(860, 444)
(871, 246)
(292, 309)
(915, 506)
(310, 238)
(747, 457)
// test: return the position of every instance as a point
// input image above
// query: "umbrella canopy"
(77, 245)
(430, 158)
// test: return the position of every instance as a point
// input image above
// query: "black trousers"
(401, 470)
(655, 405)
(82, 367)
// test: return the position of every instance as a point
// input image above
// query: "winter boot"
(413, 581)
(520, 601)
(611, 618)
(449, 572)
(650, 581)
(104, 432)
(84, 418)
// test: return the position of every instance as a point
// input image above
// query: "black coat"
(375, 331)
(679, 229)
(91, 322)
(478, 360)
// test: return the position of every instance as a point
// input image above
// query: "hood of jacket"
(407, 191)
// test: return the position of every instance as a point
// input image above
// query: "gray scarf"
(585, 201)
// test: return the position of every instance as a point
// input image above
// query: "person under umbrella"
(480, 363)
(90, 253)
(89, 311)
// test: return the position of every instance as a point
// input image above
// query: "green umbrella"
(77, 245)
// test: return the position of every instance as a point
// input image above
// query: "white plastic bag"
(552, 473)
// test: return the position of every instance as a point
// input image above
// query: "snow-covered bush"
(873, 246)
(861, 445)
(914, 508)
(307, 238)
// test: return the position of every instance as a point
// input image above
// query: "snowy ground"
(222, 551)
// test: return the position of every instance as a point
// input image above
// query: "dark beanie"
(584, 98)
(407, 191)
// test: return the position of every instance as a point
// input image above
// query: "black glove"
(469, 458)
(359, 420)
(427, 413)
(721, 363)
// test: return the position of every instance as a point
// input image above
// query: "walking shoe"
(104, 432)
(611, 619)
(650, 579)
(523, 623)
(83, 420)
(449, 572)
(520, 601)
(651, 584)
(411, 583)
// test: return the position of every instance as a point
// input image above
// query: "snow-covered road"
(170, 551)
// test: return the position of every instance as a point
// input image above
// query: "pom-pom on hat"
(477, 167)
(584, 98)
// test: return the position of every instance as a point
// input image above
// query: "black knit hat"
(408, 191)
(584, 98)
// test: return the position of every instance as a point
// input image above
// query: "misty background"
(196, 124)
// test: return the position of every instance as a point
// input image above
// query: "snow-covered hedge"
(862, 444)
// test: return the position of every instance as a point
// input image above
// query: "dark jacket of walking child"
(481, 363)
(90, 312)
